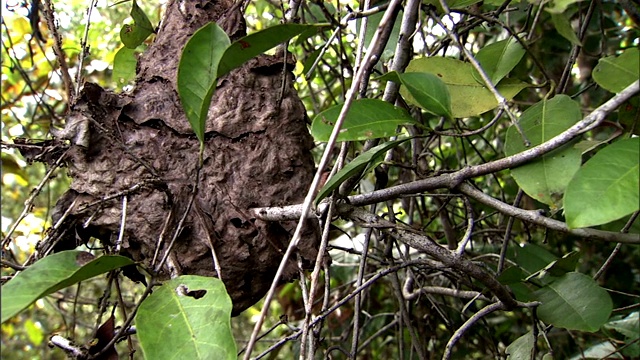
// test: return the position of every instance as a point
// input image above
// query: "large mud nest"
(141, 146)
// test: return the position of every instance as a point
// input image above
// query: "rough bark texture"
(141, 144)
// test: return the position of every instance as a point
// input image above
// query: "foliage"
(504, 96)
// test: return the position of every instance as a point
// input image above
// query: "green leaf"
(426, 89)
(546, 179)
(521, 348)
(124, 66)
(363, 162)
(628, 326)
(557, 6)
(134, 35)
(188, 318)
(468, 97)
(563, 27)
(255, 44)
(498, 59)
(616, 73)
(197, 73)
(574, 302)
(606, 188)
(366, 119)
(51, 274)
(372, 25)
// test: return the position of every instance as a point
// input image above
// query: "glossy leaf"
(426, 89)
(53, 273)
(124, 66)
(521, 348)
(197, 73)
(187, 317)
(468, 97)
(615, 73)
(367, 160)
(134, 35)
(563, 27)
(606, 188)
(574, 302)
(366, 119)
(498, 59)
(546, 179)
(255, 44)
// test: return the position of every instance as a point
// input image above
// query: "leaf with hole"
(546, 178)
(197, 73)
(574, 302)
(361, 164)
(255, 44)
(615, 73)
(134, 35)
(188, 316)
(498, 59)
(606, 188)
(53, 273)
(468, 97)
(366, 119)
(426, 89)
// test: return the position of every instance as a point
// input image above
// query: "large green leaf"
(255, 44)
(521, 348)
(468, 97)
(575, 302)
(188, 318)
(367, 160)
(53, 273)
(606, 188)
(366, 119)
(498, 59)
(546, 179)
(616, 73)
(134, 35)
(197, 73)
(426, 89)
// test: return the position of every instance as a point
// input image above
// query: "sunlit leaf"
(366, 119)
(426, 89)
(546, 178)
(498, 59)
(255, 44)
(367, 160)
(197, 73)
(468, 97)
(51, 274)
(574, 302)
(615, 73)
(607, 187)
(124, 66)
(188, 317)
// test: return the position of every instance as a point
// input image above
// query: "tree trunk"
(141, 146)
